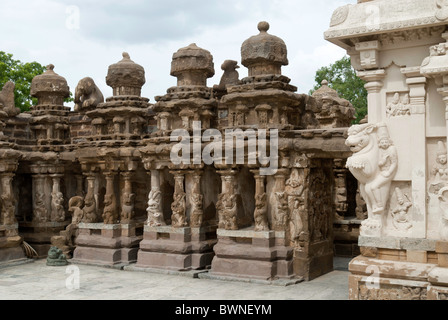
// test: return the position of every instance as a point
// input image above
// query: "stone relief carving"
(57, 206)
(439, 171)
(374, 164)
(400, 214)
(442, 9)
(110, 214)
(39, 212)
(282, 213)
(227, 211)
(87, 94)
(8, 202)
(197, 213)
(75, 206)
(127, 209)
(178, 218)
(443, 206)
(392, 293)
(399, 106)
(155, 214)
(339, 16)
(261, 213)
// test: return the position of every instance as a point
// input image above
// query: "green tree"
(21, 74)
(341, 76)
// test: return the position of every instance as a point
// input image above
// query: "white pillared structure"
(399, 47)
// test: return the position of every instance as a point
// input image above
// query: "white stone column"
(417, 94)
(374, 85)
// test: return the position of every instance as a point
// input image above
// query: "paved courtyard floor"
(37, 281)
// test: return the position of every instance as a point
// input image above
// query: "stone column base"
(107, 244)
(252, 255)
(314, 260)
(178, 249)
(11, 250)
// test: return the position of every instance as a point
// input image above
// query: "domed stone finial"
(192, 66)
(126, 77)
(324, 82)
(264, 54)
(263, 26)
(50, 88)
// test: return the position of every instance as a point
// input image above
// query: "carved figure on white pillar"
(439, 170)
(443, 206)
(374, 164)
(400, 212)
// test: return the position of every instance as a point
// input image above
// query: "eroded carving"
(155, 214)
(400, 213)
(87, 95)
(7, 99)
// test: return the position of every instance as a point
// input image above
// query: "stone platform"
(248, 254)
(177, 249)
(107, 244)
(401, 272)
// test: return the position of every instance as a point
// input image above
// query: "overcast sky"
(82, 38)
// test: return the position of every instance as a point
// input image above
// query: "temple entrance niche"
(245, 188)
(211, 188)
(167, 189)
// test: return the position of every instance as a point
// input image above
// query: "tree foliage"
(21, 74)
(341, 76)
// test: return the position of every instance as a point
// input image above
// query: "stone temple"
(245, 179)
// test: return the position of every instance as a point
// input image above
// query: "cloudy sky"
(82, 38)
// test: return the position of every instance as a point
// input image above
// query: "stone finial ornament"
(50, 88)
(192, 66)
(87, 94)
(264, 53)
(126, 77)
(7, 99)
(230, 76)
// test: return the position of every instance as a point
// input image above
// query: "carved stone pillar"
(417, 94)
(8, 202)
(196, 200)
(90, 201)
(57, 200)
(155, 213)
(110, 215)
(279, 201)
(40, 212)
(179, 205)
(127, 199)
(227, 201)
(261, 206)
(374, 85)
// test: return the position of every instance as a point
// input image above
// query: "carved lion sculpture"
(75, 207)
(87, 94)
(7, 99)
(374, 164)
(127, 209)
(155, 214)
(230, 76)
